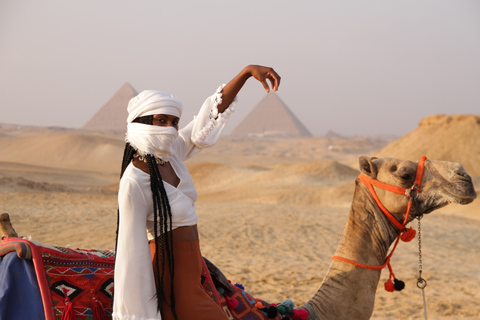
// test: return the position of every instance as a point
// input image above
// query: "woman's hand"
(260, 73)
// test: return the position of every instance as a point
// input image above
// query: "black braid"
(161, 207)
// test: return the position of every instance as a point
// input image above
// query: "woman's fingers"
(263, 73)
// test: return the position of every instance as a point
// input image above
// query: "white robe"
(134, 294)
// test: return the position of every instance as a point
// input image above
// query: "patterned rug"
(77, 284)
(74, 284)
(238, 304)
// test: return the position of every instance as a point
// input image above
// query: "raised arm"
(260, 73)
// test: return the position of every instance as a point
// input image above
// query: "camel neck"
(368, 224)
(347, 291)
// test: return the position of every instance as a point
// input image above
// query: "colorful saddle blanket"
(70, 284)
(56, 283)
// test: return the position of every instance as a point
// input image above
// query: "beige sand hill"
(325, 182)
(444, 137)
(441, 137)
(271, 211)
(66, 151)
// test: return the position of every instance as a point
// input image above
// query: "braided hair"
(162, 211)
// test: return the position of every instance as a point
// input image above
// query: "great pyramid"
(113, 115)
(453, 138)
(271, 118)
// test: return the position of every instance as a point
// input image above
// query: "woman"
(158, 262)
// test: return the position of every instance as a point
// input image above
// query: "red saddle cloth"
(74, 283)
(77, 284)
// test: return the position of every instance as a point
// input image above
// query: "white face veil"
(149, 139)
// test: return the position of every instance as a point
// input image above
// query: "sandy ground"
(271, 215)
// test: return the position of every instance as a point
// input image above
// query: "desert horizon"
(271, 211)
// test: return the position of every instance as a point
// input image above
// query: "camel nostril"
(460, 172)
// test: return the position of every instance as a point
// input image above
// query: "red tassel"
(389, 286)
(98, 310)
(408, 235)
(68, 311)
(300, 314)
(232, 304)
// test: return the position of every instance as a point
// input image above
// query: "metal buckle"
(412, 192)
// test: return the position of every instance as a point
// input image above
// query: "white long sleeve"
(134, 295)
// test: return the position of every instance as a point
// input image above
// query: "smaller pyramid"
(113, 115)
(271, 118)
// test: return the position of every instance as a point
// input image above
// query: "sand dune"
(271, 211)
(72, 151)
(312, 183)
(451, 138)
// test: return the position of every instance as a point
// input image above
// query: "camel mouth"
(462, 193)
(433, 208)
(460, 189)
(465, 200)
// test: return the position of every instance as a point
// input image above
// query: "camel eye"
(393, 168)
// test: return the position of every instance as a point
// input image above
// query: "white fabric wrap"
(149, 102)
(154, 140)
(134, 297)
(148, 139)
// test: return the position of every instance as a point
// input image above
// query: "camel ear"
(367, 166)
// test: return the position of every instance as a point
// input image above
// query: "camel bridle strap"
(408, 192)
(405, 235)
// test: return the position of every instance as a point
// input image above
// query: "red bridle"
(405, 235)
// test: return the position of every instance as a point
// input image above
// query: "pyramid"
(113, 115)
(271, 118)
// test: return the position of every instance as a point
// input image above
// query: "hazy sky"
(358, 67)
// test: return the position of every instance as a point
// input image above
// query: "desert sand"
(271, 210)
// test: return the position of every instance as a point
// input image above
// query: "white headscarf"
(151, 102)
(149, 139)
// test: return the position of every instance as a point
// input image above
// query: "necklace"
(144, 159)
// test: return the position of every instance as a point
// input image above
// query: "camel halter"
(405, 234)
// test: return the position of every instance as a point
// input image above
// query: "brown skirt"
(191, 301)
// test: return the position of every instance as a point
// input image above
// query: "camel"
(389, 193)
(348, 291)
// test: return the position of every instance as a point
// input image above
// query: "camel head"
(442, 183)
(388, 194)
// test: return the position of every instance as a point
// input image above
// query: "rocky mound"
(441, 137)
